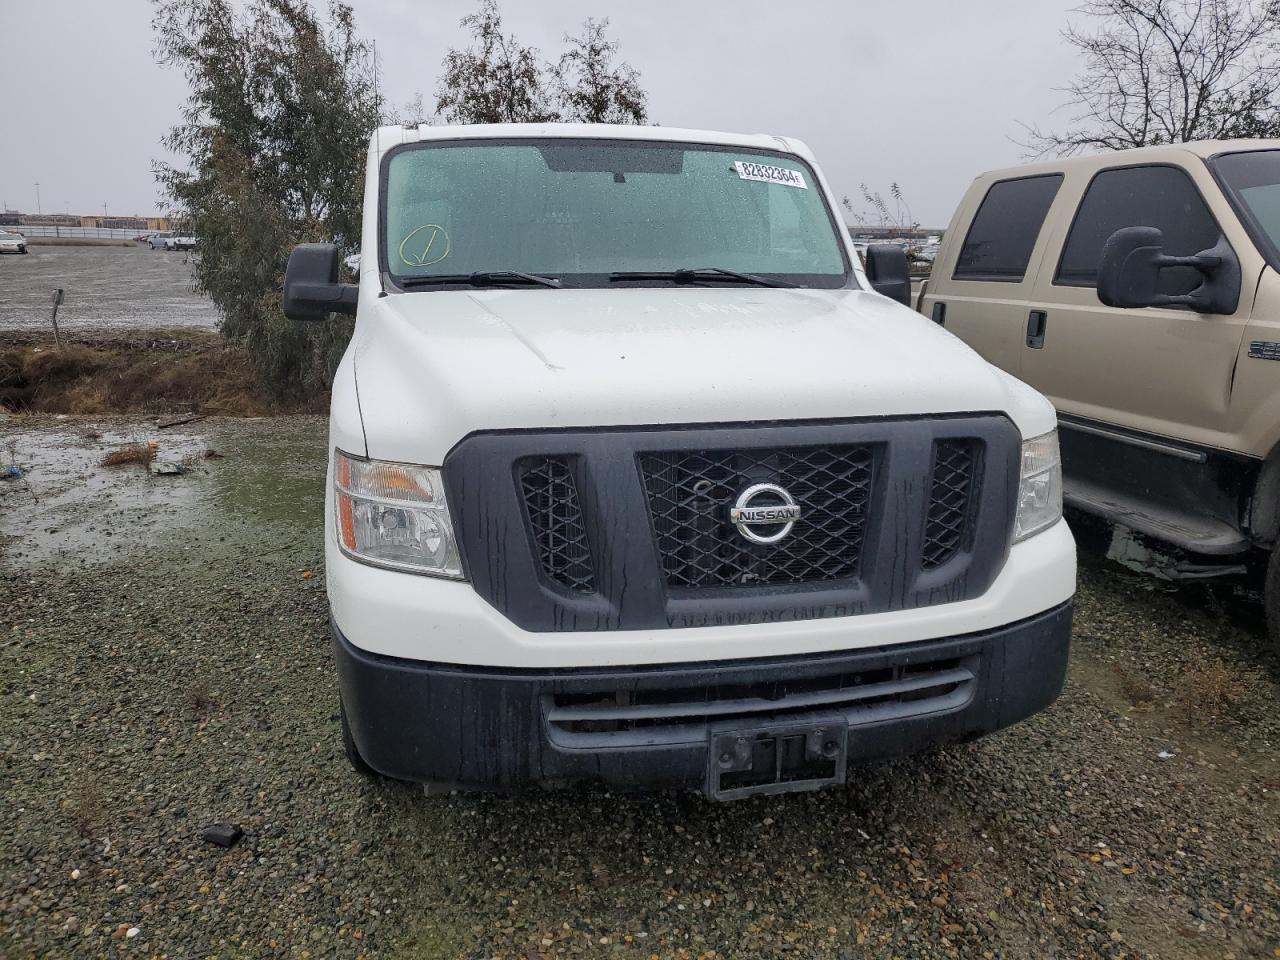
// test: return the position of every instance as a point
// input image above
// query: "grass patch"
(153, 372)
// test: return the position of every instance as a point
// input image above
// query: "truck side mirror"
(887, 270)
(311, 287)
(1133, 258)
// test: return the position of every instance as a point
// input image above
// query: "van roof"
(386, 137)
(1199, 148)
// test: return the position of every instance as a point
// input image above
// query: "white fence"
(83, 233)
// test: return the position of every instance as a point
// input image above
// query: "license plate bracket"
(773, 758)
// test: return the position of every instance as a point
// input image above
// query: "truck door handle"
(1037, 321)
(939, 313)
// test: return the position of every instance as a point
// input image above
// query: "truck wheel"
(1272, 596)
(349, 746)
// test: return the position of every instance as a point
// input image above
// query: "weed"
(1211, 688)
(84, 808)
(201, 701)
(1135, 687)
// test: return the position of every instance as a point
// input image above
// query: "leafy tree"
(590, 88)
(273, 137)
(496, 80)
(1168, 71)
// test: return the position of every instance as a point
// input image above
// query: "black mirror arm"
(1204, 262)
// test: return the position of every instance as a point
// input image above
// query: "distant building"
(14, 218)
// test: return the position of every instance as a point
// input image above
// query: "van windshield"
(1252, 179)
(587, 212)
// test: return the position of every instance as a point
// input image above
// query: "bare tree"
(496, 80)
(590, 88)
(878, 212)
(1168, 71)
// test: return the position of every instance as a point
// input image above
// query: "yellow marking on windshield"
(434, 233)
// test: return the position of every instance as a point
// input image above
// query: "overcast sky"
(928, 93)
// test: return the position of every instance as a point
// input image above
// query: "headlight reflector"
(394, 515)
(1040, 486)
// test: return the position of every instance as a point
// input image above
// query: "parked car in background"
(158, 241)
(12, 242)
(648, 483)
(1139, 291)
(181, 241)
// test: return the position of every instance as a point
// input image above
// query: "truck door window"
(1162, 197)
(1003, 234)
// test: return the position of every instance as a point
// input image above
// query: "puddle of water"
(67, 507)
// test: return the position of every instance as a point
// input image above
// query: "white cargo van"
(636, 477)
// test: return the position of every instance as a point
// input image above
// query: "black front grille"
(626, 528)
(690, 494)
(674, 715)
(951, 494)
(555, 514)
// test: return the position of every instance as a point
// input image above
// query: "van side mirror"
(311, 287)
(886, 265)
(1133, 258)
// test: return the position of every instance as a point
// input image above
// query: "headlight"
(394, 515)
(1040, 487)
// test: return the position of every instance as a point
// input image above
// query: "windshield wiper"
(696, 274)
(483, 278)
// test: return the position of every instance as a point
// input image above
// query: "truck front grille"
(584, 529)
(555, 515)
(691, 493)
(950, 498)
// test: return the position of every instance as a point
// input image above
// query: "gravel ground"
(104, 287)
(164, 665)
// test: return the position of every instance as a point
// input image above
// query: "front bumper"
(650, 726)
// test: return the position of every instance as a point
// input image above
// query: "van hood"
(432, 367)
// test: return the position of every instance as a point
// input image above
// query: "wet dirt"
(103, 288)
(238, 471)
(165, 665)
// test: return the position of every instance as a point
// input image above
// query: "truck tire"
(1272, 598)
(350, 749)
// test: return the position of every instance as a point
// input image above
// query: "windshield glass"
(581, 210)
(1253, 180)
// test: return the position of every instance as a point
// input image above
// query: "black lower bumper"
(652, 726)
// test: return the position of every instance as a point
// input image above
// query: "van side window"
(1162, 197)
(1003, 233)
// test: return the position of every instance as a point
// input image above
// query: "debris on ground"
(12, 472)
(212, 454)
(167, 468)
(177, 423)
(222, 834)
(140, 453)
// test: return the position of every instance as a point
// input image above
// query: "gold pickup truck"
(1139, 290)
